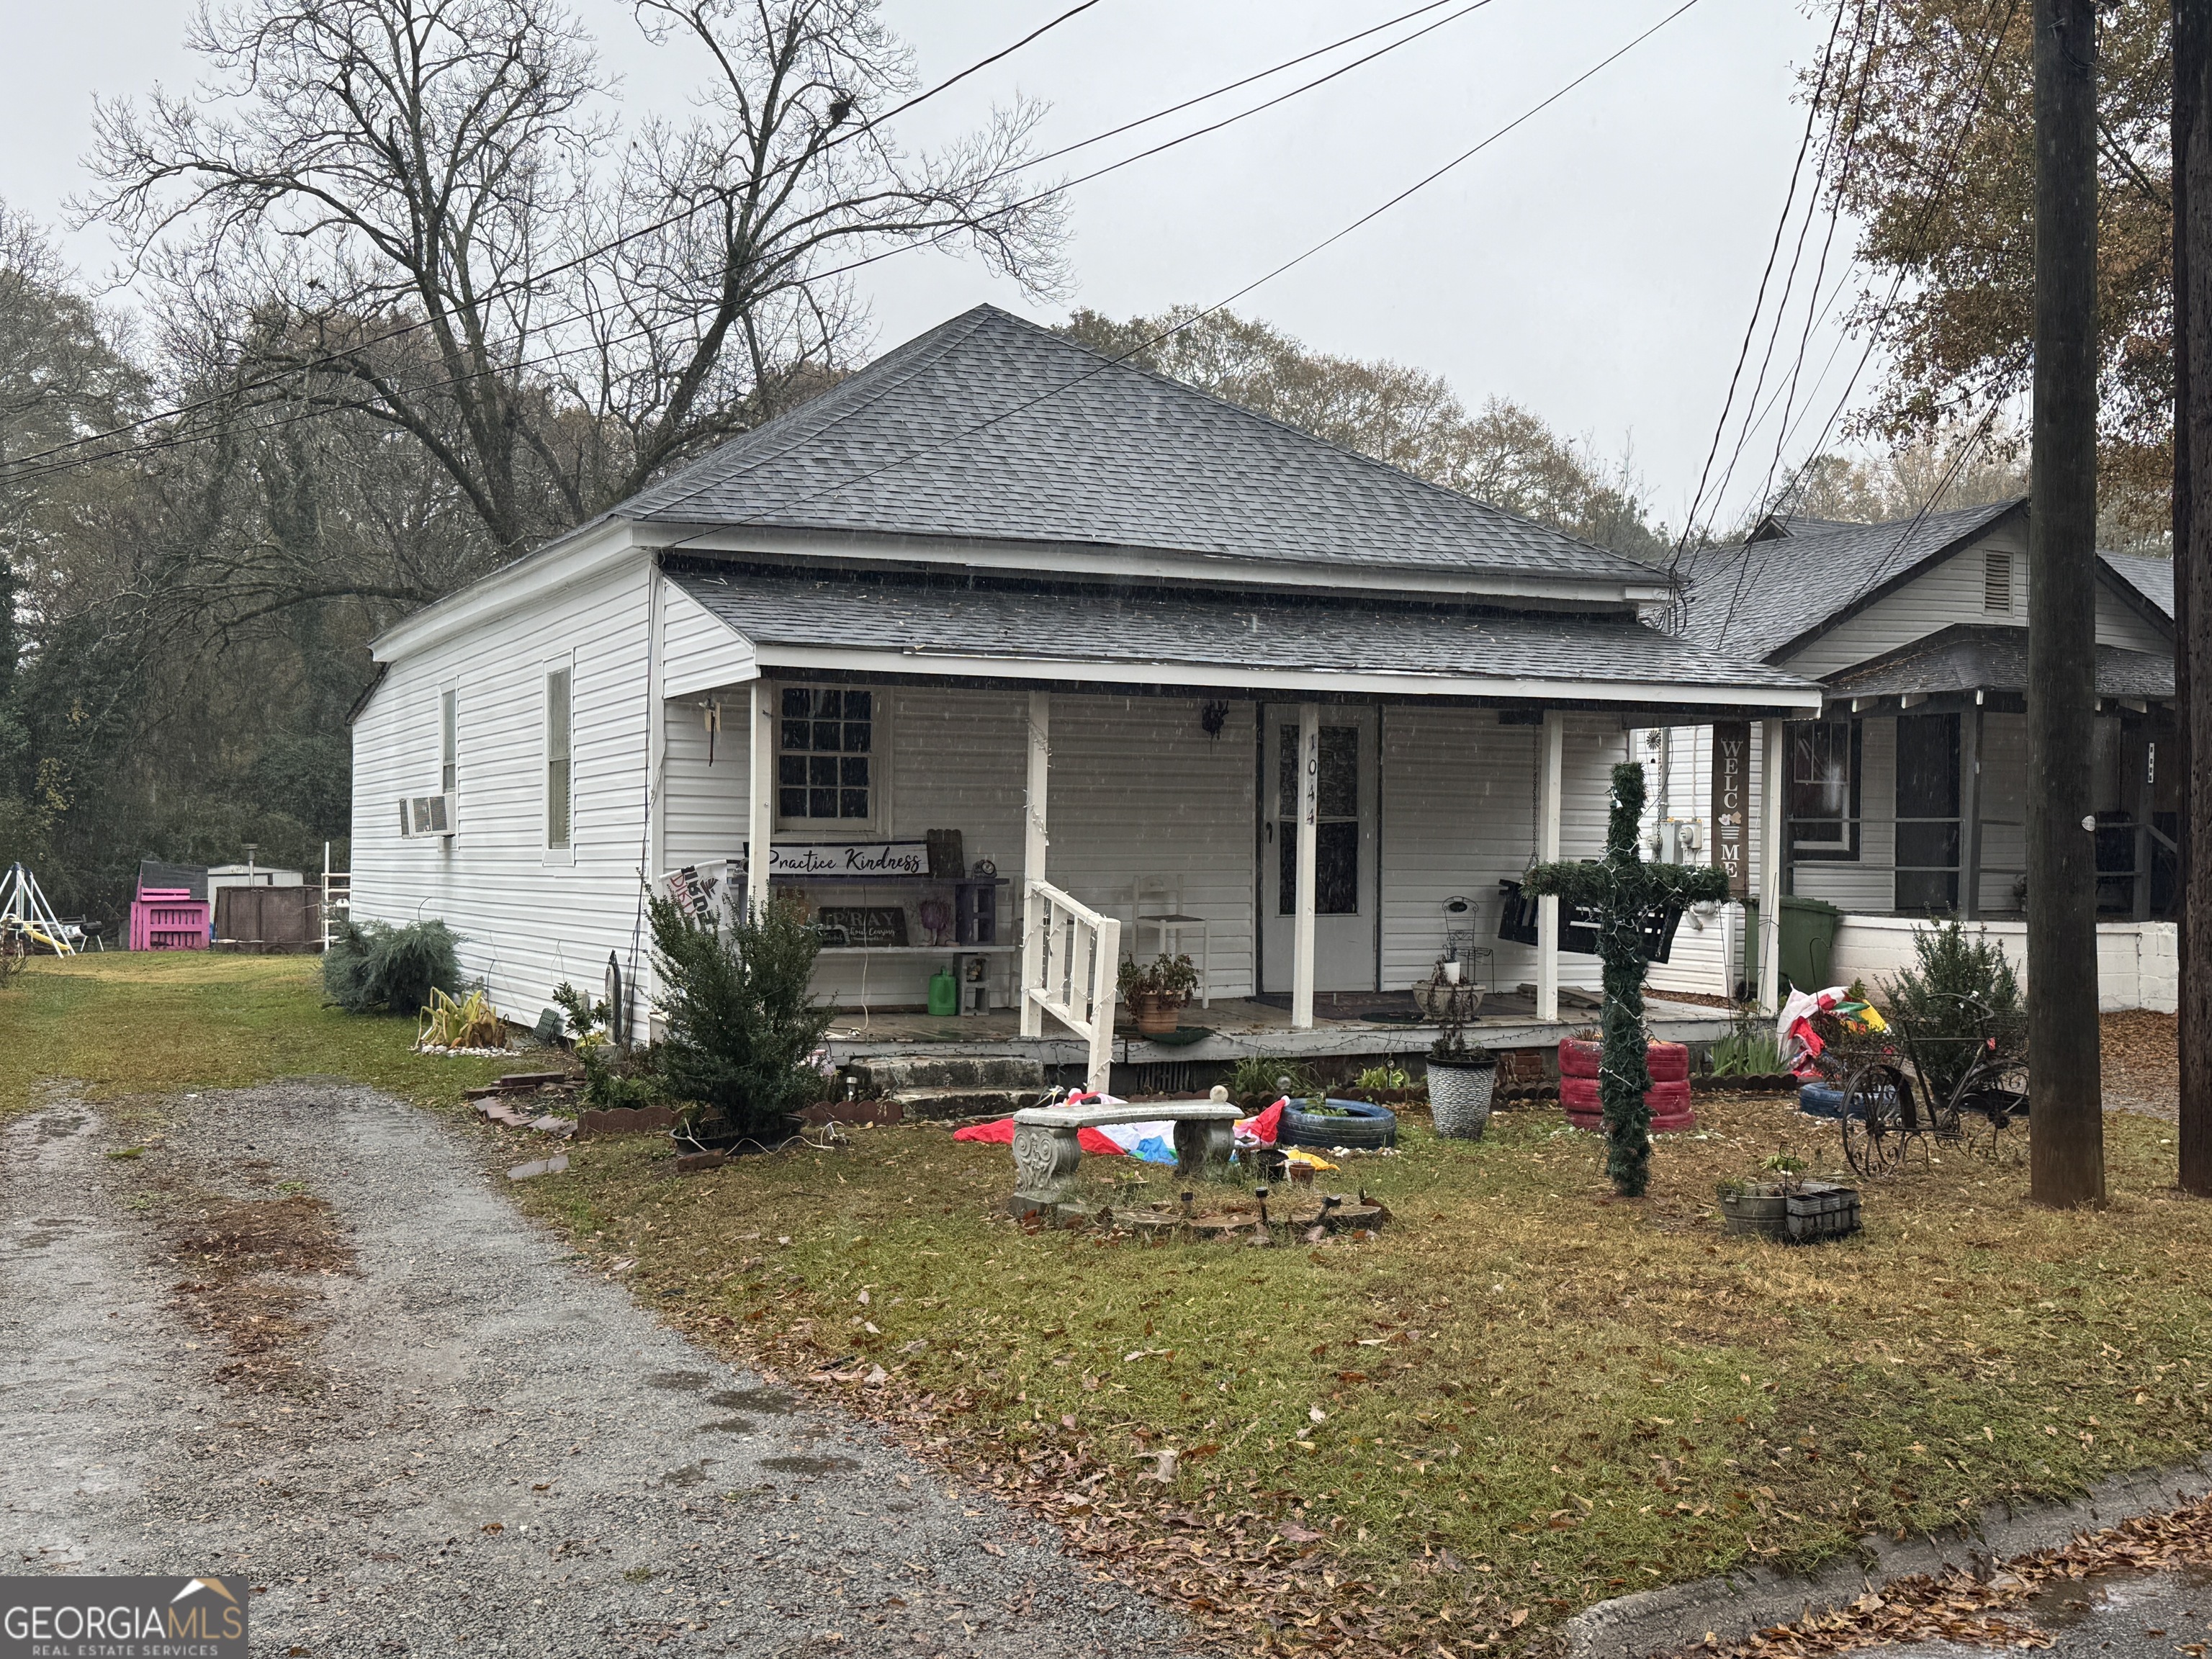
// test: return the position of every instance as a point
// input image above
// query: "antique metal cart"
(1959, 1088)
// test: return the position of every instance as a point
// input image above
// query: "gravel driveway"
(302, 1337)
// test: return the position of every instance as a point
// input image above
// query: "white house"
(1174, 673)
(1906, 796)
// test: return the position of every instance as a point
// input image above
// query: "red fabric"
(1269, 1122)
(1001, 1134)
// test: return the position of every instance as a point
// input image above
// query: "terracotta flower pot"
(1156, 1015)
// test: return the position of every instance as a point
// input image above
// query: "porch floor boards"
(1238, 1026)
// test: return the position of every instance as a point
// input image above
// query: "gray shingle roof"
(989, 426)
(1752, 600)
(1968, 657)
(1121, 626)
(2152, 578)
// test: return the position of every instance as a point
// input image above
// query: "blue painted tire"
(1367, 1128)
(1821, 1100)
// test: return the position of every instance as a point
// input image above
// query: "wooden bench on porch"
(1047, 1147)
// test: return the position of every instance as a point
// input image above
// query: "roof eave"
(1785, 698)
(1171, 566)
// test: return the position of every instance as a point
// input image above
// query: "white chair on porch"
(1156, 902)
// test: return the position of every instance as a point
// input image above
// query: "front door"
(1344, 877)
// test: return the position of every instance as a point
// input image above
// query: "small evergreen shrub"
(613, 1076)
(1925, 999)
(374, 968)
(743, 1029)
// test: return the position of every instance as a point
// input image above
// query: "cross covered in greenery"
(1620, 890)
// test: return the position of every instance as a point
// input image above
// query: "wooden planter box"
(1819, 1209)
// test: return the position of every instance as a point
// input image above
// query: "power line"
(23, 466)
(1165, 334)
(1973, 114)
(500, 290)
(24, 470)
(1759, 301)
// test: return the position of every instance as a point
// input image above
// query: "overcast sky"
(1596, 264)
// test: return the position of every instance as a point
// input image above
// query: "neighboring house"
(1151, 654)
(1907, 797)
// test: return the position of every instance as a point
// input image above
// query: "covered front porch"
(1288, 793)
(1345, 1026)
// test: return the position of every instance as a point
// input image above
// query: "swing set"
(27, 922)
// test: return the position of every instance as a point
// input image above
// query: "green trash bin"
(1808, 942)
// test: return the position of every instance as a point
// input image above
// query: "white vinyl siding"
(701, 651)
(524, 927)
(1459, 816)
(1955, 590)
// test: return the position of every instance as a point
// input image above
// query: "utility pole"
(2067, 1146)
(2192, 562)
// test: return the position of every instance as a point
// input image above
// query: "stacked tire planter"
(1668, 1099)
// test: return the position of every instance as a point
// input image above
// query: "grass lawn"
(1520, 1398)
(124, 1022)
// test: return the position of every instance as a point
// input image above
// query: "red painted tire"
(1579, 1058)
(1669, 1063)
(1669, 1104)
(1668, 1099)
(1579, 1096)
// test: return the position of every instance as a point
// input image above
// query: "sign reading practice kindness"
(874, 858)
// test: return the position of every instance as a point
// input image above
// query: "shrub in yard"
(613, 1076)
(1942, 998)
(743, 1029)
(374, 968)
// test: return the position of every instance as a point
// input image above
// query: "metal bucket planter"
(1460, 1093)
(1761, 1210)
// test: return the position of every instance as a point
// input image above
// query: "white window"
(1997, 581)
(829, 755)
(448, 742)
(557, 796)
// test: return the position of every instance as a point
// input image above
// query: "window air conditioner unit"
(427, 815)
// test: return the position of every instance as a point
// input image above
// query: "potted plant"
(1760, 1206)
(1462, 1076)
(1155, 991)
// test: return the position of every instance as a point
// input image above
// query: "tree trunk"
(2192, 562)
(2067, 1156)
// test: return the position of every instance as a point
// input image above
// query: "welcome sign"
(1731, 808)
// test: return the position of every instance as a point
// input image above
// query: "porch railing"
(1069, 965)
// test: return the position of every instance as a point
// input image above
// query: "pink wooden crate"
(168, 918)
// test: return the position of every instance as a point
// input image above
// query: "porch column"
(1771, 808)
(1034, 842)
(1550, 788)
(760, 792)
(1302, 933)
(1970, 810)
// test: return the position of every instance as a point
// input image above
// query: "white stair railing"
(1070, 971)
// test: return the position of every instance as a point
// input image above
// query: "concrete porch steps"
(938, 1086)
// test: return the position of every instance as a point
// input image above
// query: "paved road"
(2131, 1616)
(455, 1440)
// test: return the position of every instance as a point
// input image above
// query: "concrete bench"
(1047, 1150)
